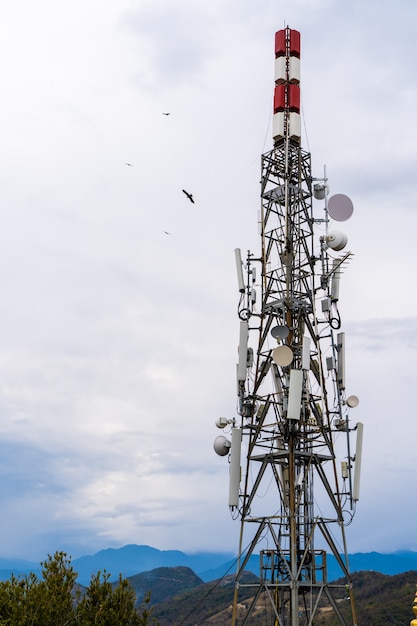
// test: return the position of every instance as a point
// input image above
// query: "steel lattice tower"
(292, 497)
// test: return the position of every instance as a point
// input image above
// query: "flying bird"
(166, 232)
(129, 164)
(166, 113)
(189, 196)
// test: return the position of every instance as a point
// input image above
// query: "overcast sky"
(118, 341)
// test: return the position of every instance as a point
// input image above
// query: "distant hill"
(390, 564)
(17, 567)
(134, 559)
(208, 603)
(379, 600)
(393, 563)
(164, 583)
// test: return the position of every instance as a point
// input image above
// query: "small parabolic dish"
(283, 356)
(221, 445)
(340, 207)
(336, 240)
(320, 191)
(280, 332)
(352, 401)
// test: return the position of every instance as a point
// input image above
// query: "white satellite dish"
(320, 191)
(352, 401)
(340, 207)
(283, 356)
(336, 240)
(222, 422)
(280, 332)
(221, 445)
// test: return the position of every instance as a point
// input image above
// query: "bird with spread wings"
(189, 196)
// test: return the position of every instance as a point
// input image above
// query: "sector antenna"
(294, 454)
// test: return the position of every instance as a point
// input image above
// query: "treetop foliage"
(55, 599)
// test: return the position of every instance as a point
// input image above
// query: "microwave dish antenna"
(280, 332)
(340, 207)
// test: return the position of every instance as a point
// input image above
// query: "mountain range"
(134, 559)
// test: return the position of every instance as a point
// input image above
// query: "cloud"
(385, 333)
(177, 41)
(119, 343)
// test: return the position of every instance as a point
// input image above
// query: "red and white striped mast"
(292, 406)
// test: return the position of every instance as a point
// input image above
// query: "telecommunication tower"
(291, 494)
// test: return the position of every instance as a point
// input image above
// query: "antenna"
(221, 445)
(283, 355)
(334, 294)
(305, 358)
(276, 380)
(336, 240)
(352, 401)
(239, 269)
(341, 360)
(294, 395)
(280, 332)
(358, 462)
(243, 351)
(222, 422)
(320, 191)
(234, 478)
(340, 207)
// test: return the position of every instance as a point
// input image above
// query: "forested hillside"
(380, 600)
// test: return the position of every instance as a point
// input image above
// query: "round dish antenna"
(336, 240)
(352, 401)
(340, 207)
(221, 445)
(280, 332)
(222, 422)
(283, 356)
(320, 191)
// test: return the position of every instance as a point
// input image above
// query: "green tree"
(19, 601)
(55, 599)
(56, 590)
(107, 605)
